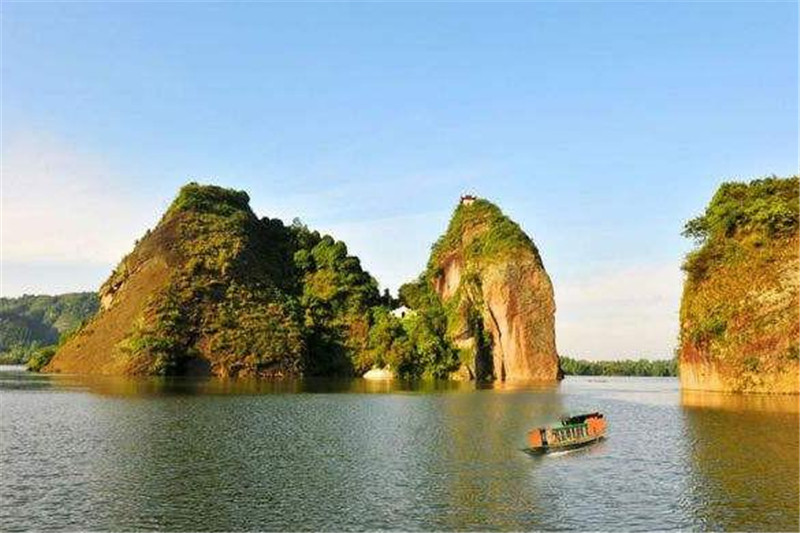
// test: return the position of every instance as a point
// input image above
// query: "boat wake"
(563, 452)
(552, 454)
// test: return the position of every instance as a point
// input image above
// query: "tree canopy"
(742, 214)
(768, 205)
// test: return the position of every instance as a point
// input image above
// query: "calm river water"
(212, 455)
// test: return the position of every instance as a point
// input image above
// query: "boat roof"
(579, 419)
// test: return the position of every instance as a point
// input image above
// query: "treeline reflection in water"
(156, 385)
(205, 454)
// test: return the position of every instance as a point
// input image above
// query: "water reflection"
(744, 460)
(776, 403)
(168, 386)
(486, 431)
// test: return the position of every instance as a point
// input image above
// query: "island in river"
(213, 289)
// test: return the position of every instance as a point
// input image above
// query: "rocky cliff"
(213, 289)
(488, 276)
(740, 318)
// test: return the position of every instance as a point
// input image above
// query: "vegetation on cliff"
(742, 214)
(29, 322)
(413, 346)
(489, 235)
(349, 325)
(222, 305)
(483, 290)
(40, 358)
(739, 311)
(340, 302)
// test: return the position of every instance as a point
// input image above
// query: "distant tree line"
(627, 367)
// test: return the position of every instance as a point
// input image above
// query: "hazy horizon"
(599, 128)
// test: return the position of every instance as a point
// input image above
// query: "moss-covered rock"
(487, 278)
(740, 318)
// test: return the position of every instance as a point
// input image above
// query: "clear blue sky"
(600, 127)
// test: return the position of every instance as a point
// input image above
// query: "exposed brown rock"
(757, 352)
(485, 266)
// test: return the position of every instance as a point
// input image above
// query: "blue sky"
(600, 127)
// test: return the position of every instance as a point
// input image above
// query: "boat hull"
(541, 450)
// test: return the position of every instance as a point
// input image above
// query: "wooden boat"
(573, 432)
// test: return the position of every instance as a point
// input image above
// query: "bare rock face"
(740, 311)
(497, 296)
(519, 304)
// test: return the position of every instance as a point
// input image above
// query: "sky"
(599, 127)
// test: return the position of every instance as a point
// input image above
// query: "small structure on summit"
(402, 312)
(488, 275)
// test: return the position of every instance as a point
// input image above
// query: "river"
(209, 455)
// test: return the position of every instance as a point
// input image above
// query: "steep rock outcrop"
(740, 311)
(498, 299)
(204, 292)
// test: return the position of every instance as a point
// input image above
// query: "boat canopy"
(579, 419)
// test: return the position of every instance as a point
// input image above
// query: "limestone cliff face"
(497, 295)
(740, 311)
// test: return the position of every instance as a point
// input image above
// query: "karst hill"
(213, 289)
(487, 278)
(740, 311)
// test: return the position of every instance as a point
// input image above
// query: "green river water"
(209, 455)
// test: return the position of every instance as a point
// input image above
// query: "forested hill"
(214, 289)
(32, 321)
